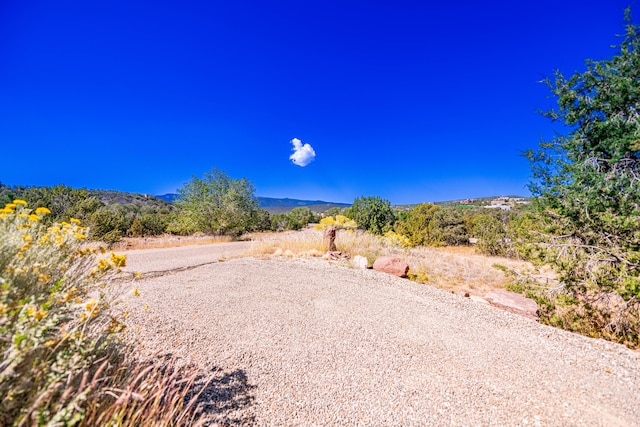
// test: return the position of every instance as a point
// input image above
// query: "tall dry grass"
(457, 269)
(119, 391)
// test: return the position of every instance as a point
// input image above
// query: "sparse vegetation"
(458, 269)
(58, 319)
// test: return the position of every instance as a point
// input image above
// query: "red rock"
(391, 265)
(514, 303)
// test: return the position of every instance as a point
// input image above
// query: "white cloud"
(303, 154)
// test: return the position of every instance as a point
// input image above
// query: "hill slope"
(275, 205)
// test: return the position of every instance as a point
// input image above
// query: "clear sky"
(411, 101)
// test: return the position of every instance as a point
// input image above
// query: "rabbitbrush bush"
(52, 320)
(60, 365)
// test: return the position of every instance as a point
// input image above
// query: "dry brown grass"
(167, 241)
(457, 269)
(134, 393)
(462, 269)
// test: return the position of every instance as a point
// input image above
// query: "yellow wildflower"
(19, 202)
(70, 294)
(10, 206)
(43, 211)
(80, 236)
(103, 264)
(119, 260)
(92, 307)
(146, 307)
(75, 221)
(62, 267)
(44, 277)
(31, 310)
(40, 314)
(33, 217)
(91, 304)
(136, 292)
(27, 237)
(50, 343)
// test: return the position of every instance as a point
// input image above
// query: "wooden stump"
(330, 239)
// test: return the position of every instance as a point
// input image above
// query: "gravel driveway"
(304, 342)
(182, 257)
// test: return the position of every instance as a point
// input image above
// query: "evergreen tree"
(587, 188)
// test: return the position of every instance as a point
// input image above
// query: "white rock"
(360, 262)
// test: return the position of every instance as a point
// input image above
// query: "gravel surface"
(304, 342)
(182, 257)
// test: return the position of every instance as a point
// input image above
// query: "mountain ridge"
(276, 205)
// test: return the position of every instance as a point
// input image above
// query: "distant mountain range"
(274, 205)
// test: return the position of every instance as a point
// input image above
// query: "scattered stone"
(514, 303)
(467, 294)
(334, 255)
(391, 265)
(360, 262)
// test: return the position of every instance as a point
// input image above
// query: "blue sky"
(411, 101)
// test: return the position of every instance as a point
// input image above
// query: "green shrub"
(447, 228)
(154, 224)
(108, 226)
(491, 235)
(215, 204)
(414, 224)
(372, 214)
(136, 229)
(431, 225)
(300, 217)
(260, 220)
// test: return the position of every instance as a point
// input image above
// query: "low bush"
(60, 362)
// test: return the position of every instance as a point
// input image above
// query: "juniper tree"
(587, 190)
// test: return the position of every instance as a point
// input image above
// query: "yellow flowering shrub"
(396, 240)
(338, 221)
(54, 315)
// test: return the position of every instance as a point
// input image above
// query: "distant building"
(503, 207)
